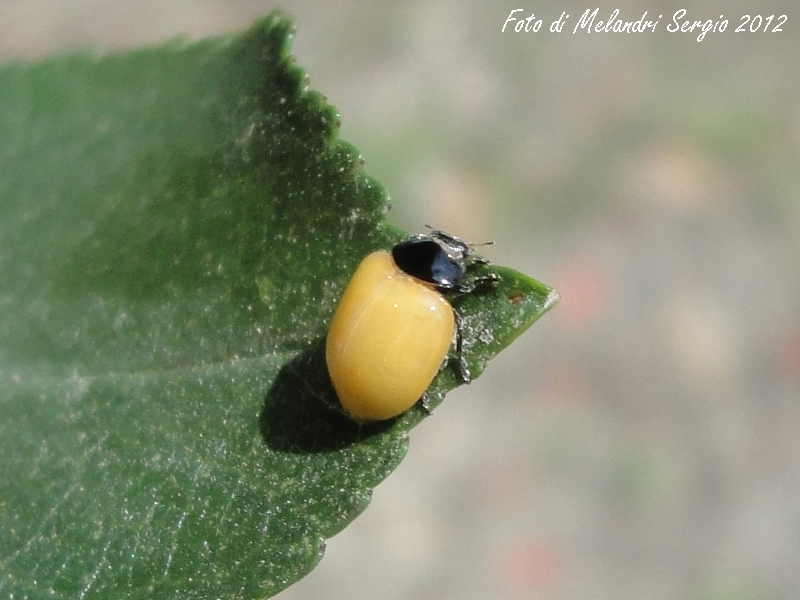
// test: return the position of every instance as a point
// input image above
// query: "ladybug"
(394, 325)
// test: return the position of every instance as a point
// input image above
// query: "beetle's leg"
(466, 376)
(476, 282)
(423, 404)
(449, 239)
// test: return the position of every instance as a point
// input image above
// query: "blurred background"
(643, 439)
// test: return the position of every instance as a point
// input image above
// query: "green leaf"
(178, 224)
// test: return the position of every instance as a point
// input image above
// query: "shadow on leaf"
(302, 414)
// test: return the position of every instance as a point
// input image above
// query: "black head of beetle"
(439, 259)
(442, 260)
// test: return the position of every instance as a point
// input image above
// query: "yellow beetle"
(393, 327)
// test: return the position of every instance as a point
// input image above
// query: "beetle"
(394, 325)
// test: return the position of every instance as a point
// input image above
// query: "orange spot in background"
(789, 356)
(531, 564)
(565, 384)
(582, 283)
